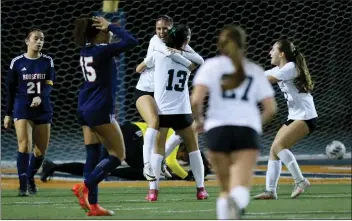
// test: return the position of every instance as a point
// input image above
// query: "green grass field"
(319, 202)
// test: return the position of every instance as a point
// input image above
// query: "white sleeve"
(153, 41)
(203, 75)
(287, 72)
(263, 87)
(174, 56)
(190, 54)
(149, 61)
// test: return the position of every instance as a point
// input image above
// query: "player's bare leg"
(221, 163)
(41, 136)
(147, 108)
(242, 166)
(190, 140)
(24, 129)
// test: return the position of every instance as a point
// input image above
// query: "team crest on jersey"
(24, 69)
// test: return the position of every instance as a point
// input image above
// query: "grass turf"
(331, 201)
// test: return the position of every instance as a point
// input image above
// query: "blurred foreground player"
(29, 83)
(133, 138)
(96, 104)
(233, 120)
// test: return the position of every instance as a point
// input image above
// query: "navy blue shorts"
(94, 118)
(35, 115)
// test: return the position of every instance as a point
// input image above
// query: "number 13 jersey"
(237, 107)
(170, 84)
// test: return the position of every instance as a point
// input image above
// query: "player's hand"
(36, 101)
(7, 122)
(173, 50)
(192, 67)
(101, 23)
(198, 125)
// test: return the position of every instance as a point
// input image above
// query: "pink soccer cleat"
(202, 193)
(152, 195)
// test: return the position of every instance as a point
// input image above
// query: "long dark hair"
(84, 32)
(177, 36)
(232, 44)
(303, 82)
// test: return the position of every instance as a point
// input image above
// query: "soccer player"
(29, 83)
(233, 121)
(174, 108)
(96, 104)
(144, 94)
(133, 139)
(292, 75)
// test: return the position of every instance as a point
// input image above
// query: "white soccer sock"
(241, 196)
(153, 185)
(290, 162)
(221, 208)
(273, 174)
(171, 143)
(155, 161)
(197, 166)
(150, 137)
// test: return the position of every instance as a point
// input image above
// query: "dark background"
(322, 30)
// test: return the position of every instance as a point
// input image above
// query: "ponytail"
(304, 81)
(231, 43)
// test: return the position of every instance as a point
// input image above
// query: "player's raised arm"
(127, 40)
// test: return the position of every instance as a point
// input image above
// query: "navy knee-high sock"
(102, 170)
(34, 165)
(92, 160)
(22, 168)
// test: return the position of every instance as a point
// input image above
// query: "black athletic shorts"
(133, 138)
(139, 93)
(231, 138)
(311, 123)
(175, 121)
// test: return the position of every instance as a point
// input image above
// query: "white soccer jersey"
(238, 106)
(171, 85)
(146, 79)
(300, 105)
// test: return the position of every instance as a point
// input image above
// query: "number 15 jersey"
(170, 85)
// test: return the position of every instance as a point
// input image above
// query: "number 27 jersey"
(170, 85)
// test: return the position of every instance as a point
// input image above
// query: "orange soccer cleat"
(81, 192)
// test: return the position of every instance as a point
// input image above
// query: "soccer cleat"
(234, 212)
(164, 170)
(81, 192)
(96, 210)
(299, 188)
(266, 195)
(202, 193)
(152, 195)
(32, 187)
(22, 193)
(148, 172)
(47, 170)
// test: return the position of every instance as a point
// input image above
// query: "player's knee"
(39, 152)
(276, 148)
(24, 145)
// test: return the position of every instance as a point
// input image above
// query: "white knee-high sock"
(197, 167)
(150, 137)
(290, 162)
(273, 174)
(221, 208)
(155, 162)
(171, 143)
(241, 196)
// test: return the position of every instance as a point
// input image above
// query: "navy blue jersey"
(26, 79)
(98, 92)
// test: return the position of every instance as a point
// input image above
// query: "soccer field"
(321, 201)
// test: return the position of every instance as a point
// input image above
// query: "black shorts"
(232, 138)
(311, 123)
(139, 93)
(175, 121)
